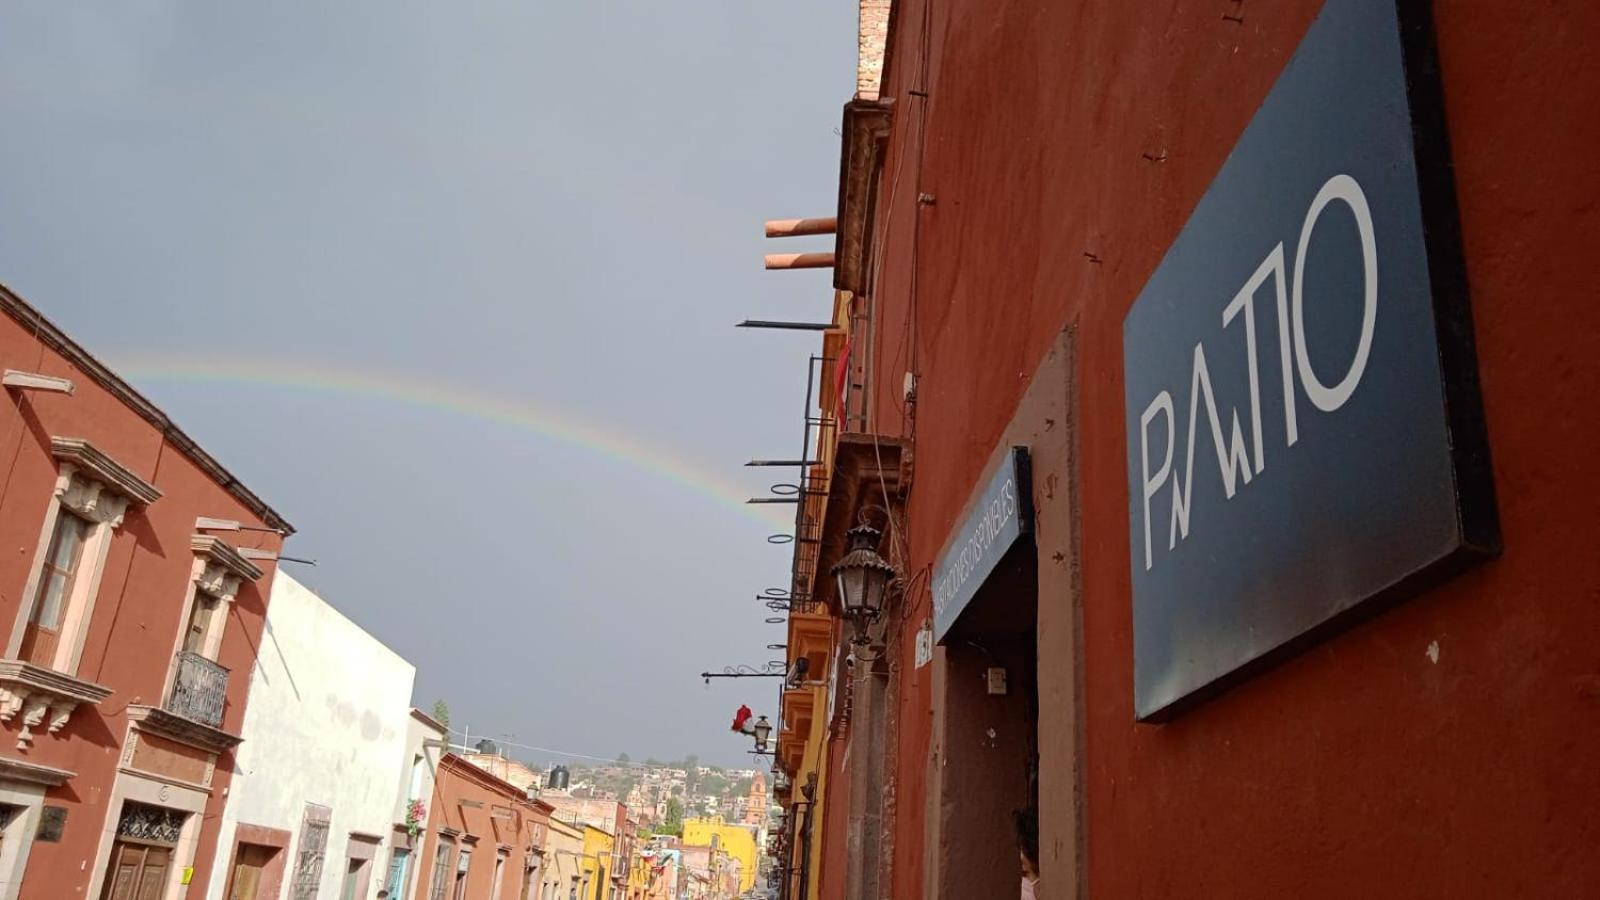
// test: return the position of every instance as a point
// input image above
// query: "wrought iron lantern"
(762, 729)
(863, 579)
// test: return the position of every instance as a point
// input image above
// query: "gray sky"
(540, 211)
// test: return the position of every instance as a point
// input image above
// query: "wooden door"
(399, 862)
(138, 871)
(248, 867)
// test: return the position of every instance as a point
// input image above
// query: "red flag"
(741, 717)
(841, 382)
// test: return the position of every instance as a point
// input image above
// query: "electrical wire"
(898, 542)
(565, 753)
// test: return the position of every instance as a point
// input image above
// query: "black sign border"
(1471, 466)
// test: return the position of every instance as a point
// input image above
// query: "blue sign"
(1305, 434)
(997, 518)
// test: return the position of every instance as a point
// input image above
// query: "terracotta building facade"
(486, 838)
(1017, 182)
(131, 609)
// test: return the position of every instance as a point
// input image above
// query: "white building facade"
(327, 748)
(426, 741)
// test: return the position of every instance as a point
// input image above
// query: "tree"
(673, 824)
(441, 713)
(623, 759)
(714, 785)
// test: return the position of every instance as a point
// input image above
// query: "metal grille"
(313, 849)
(441, 871)
(144, 822)
(199, 689)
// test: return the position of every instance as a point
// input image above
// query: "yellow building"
(598, 845)
(737, 841)
(638, 874)
(563, 859)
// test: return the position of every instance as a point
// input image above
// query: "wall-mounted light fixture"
(863, 579)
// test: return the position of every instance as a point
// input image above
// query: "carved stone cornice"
(39, 693)
(21, 770)
(864, 134)
(218, 568)
(91, 499)
(156, 720)
(102, 468)
(219, 552)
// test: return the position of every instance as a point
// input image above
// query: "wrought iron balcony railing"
(199, 689)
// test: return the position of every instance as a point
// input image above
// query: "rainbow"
(402, 390)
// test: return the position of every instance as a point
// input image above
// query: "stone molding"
(42, 696)
(95, 465)
(33, 773)
(218, 568)
(865, 132)
(219, 552)
(178, 728)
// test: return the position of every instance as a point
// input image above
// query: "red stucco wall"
(1359, 764)
(833, 827)
(140, 607)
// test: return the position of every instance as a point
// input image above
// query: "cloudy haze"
(543, 212)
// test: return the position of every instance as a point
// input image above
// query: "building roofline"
(463, 767)
(429, 721)
(57, 340)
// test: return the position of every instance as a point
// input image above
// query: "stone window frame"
(218, 572)
(96, 487)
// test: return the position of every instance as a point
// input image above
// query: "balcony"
(198, 690)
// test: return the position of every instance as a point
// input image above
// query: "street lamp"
(762, 729)
(863, 578)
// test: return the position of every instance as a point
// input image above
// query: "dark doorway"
(988, 730)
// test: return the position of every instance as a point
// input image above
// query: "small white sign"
(925, 643)
(997, 681)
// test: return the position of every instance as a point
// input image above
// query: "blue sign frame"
(1305, 434)
(996, 519)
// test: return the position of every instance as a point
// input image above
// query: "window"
(499, 875)
(8, 814)
(463, 863)
(441, 870)
(313, 848)
(202, 618)
(399, 863)
(92, 494)
(63, 561)
(354, 878)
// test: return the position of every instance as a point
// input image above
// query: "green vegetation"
(674, 819)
